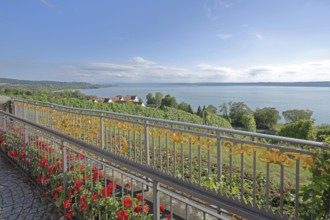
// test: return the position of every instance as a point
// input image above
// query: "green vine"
(316, 194)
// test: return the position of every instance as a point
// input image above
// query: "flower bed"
(88, 194)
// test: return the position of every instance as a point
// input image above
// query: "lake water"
(283, 98)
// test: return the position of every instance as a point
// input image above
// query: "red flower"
(22, 155)
(28, 160)
(13, 153)
(80, 156)
(95, 196)
(138, 209)
(127, 202)
(67, 203)
(122, 214)
(84, 207)
(43, 162)
(46, 192)
(51, 149)
(59, 189)
(82, 200)
(38, 178)
(45, 180)
(50, 170)
(68, 214)
(168, 216)
(55, 196)
(128, 184)
(78, 183)
(139, 197)
(106, 191)
(162, 207)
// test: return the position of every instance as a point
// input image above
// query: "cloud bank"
(139, 69)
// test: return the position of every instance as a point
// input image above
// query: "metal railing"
(242, 172)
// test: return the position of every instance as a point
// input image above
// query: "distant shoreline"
(286, 84)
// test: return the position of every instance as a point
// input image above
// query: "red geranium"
(127, 202)
(22, 155)
(162, 207)
(67, 203)
(95, 196)
(59, 189)
(122, 214)
(43, 162)
(139, 197)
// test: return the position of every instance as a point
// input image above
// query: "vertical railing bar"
(134, 145)
(254, 177)
(146, 141)
(141, 148)
(297, 189)
(199, 165)
(167, 159)
(174, 155)
(182, 161)
(156, 197)
(153, 152)
(208, 161)
(219, 155)
(282, 190)
(160, 154)
(130, 145)
(65, 168)
(242, 174)
(190, 160)
(231, 170)
(267, 184)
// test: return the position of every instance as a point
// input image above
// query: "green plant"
(316, 195)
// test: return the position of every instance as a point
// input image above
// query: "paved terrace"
(19, 198)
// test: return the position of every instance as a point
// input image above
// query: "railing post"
(155, 195)
(219, 155)
(15, 108)
(102, 131)
(36, 114)
(146, 140)
(65, 168)
(24, 111)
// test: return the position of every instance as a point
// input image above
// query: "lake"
(282, 98)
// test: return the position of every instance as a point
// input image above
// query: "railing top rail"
(217, 129)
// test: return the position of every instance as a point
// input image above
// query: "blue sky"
(104, 41)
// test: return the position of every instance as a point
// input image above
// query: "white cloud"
(224, 36)
(259, 36)
(46, 2)
(141, 60)
(143, 70)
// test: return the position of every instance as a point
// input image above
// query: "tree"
(303, 129)
(183, 106)
(216, 120)
(169, 101)
(150, 99)
(297, 115)
(266, 117)
(236, 112)
(190, 110)
(199, 111)
(211, 109)
(249, 123)
(158, 98)
(224, 110)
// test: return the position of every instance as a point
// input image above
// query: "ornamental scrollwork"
(272, 156)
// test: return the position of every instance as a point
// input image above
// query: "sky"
(106, 41)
